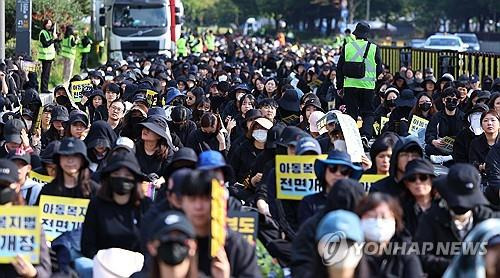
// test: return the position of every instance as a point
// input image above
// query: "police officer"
(358, 91)
(181, 45)
(348, 37)
(196, 44)
(210, 41)
(68, 51)
(46, 53)
(84, 47)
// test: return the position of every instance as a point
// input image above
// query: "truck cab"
(139, 28)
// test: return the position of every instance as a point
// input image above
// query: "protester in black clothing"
(381, 152)
(404, 151)
(201, 106)
(382, 226)
(181, 123)
(100, 140)
(131, 121)
(231, 109)
(268, 107)
(480, 146)
(193, 96)
(154, 150)
(76, 125)
(209, 136)
(72, 174)
(465, 207)
(11, 196)
(116, 112)
(246, 103)
(95, 99)
(58, 117)
(419, 194)
(310, 105)
(388, 104)
(423, 108)
(114, 216)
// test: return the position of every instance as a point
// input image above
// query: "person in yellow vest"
(46, 53)
(210, 41)
(68, 52)
(359, 65)
(348, 37)
(84, 47)
(196, 44)
(181, 45)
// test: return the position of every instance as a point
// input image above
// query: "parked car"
(470, 39)
(445, 42)
(417, 43)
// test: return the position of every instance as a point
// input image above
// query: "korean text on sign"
(418, 125)
(61, 214)
(245, 223)
(20, 234)
(295, 177)
(366, 180)
(79, 88)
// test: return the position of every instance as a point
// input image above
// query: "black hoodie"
(390, 185)
(100, 133)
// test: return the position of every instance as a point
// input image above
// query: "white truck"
(137, 27)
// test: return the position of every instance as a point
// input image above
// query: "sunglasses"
(421, 177)
(344, 171)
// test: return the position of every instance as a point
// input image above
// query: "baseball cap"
(12, 131)
(20, 154)
(306, 144)
(343, 221)
(172, 221)
(8, 171)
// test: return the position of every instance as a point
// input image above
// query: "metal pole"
(368, 10)
(2, 30)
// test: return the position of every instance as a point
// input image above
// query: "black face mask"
(390, 103)
(451, 105)
(62, 100)
(121, 186)
(177, 102)
(426, 106)
(6, 195)
(172, 253)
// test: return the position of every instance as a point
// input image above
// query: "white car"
(445, 42)
(470, 39)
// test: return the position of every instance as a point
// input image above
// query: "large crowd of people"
(146, 142)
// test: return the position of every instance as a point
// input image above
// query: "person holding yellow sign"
(10, 195)
(30, 189)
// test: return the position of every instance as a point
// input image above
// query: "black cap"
(8, 172)
(112, 87)
(290, 136)
(12, 131)
(362, 30)
(290, 101)
(79, 117)
(252, 114)
(72, 146)
(313, 101)
(123, 159)
(172, 221)
(460, 188)
(418, 166)
(59, 113)
(47, 154)
(178, 177)
(20, 154)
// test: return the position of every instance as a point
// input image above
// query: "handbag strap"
(366, 51)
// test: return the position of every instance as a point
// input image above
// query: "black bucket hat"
(362, 30)
(460, 187)
(406, 99)
(72, 146)
(290, 101)
(419, 166)
(158, 125)
(47, 155)
(314, 101)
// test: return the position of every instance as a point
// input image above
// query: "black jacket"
(109, 225)
(200, 141)
(461, 146)
(436, 227)
(478, 150)
(311, 204)
(54, 189)
(183, 131)
(493, 175)
(442, 125)
(243, 160)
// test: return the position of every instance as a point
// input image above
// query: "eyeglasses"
(420, 177)
(344, 170)
(114, 108)
(449, 99)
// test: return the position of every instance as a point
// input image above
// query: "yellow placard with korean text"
(218, 212)
(20, 230)
(417, 125)
(245, 223)
(43, 179)
(61, 214)
(295, 177)
(79, 88)
(367, 180)
(151, 97)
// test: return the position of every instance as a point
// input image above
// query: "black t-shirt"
(54, 189)
(150, 163)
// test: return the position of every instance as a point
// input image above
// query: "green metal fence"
(447, 61)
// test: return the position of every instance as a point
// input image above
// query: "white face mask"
(378, 229)
(260, 135)
(475, 123)
(340, 145)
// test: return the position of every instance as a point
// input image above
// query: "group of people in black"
(145, 144)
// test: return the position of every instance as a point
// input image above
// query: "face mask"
(121, 186)
(222, 78)
(62, 100)
(390, 103)
(475, 123)
(172, 253)
(6, 195)
(451, 105)
(378, 229)
(260, 135)
(426, 106)
(340, 145)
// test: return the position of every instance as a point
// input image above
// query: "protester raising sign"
(79, 88)
(218, 211)
(151, 97)
(61, 214)
(295, 177)
(20, 234)
(245, 223)
(367, 180)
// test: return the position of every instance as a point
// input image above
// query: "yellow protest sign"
(245, 223)
(79, 88)
(366, 180)
(218, 212)
(151, 97)
(20, 234)
(383, 121)
(43, 179)
(61, 214)
(417, 125)
(295, 177)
